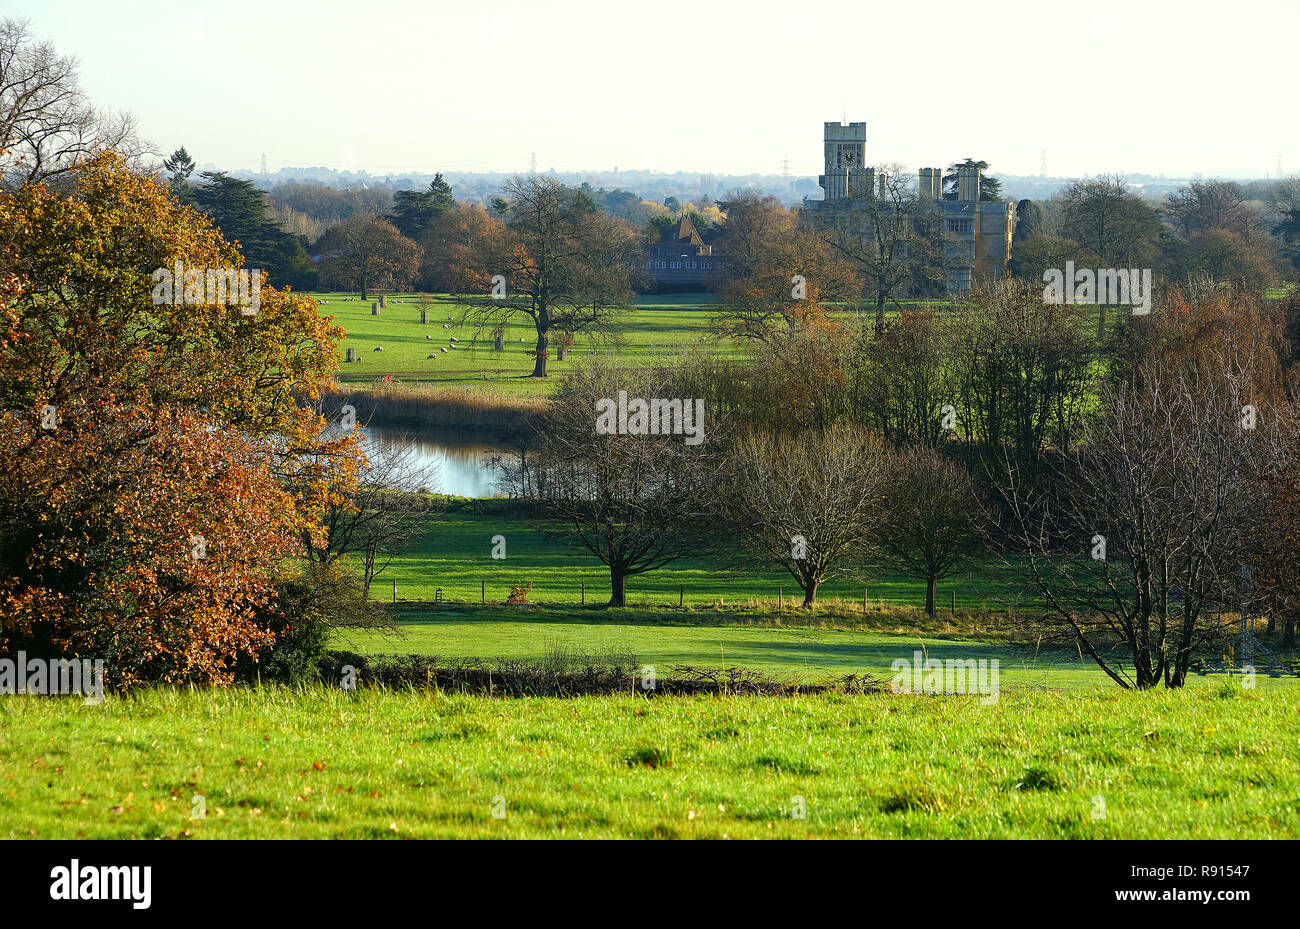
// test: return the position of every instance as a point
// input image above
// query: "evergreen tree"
(1029, 220)
(179, 166)
(415, 211)
(990, 187)
(239, 210)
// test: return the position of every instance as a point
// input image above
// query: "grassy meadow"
(658, 328)
(1062, 753)
(705, 611)
(454, 553)
(325, 763)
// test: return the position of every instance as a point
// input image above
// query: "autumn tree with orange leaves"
(777, 276)
(158, 461)
(456, 249)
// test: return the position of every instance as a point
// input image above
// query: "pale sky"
(725, 87)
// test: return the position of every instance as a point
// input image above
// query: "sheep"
(443, 349)
(427, 357)
(378, 348)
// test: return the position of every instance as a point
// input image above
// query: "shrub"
(301, 617)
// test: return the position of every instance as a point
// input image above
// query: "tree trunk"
(809, 592)
(539, 365)
(617, 588)
(930, 583)
(1145, 676)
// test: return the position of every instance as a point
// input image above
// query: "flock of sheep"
(380, 348)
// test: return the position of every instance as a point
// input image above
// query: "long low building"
(681, 261)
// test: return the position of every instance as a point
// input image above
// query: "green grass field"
(316, 763)
(455, 554)
(654, 329)
(792, 650)
(657, 328)
(1062, 753)
(729, 613)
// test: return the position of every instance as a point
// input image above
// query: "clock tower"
(846, 154)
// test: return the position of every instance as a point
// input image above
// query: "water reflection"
(461, 458)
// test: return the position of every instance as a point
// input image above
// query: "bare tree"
(47, 124)
(1276, 536)
(637, 502)
(560, 261)
(374, 255)
(1205, 205)
(425, 304)
(385, 511)
(807, 503)
(1021, 370)
(776, 274)
(931, 523)
(1103, 215)
(1137, 550)
(894, 237)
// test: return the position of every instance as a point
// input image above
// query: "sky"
(1125, 86)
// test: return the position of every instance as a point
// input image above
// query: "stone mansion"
(978, 231)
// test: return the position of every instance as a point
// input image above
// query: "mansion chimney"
(968, 183)
(931, 184)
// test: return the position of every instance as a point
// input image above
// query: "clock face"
(848, 156)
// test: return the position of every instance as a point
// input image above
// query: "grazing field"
(810, 651)
(654, 329)
(658, 328)
(1208, 763)
(455, 554)
(729, 613)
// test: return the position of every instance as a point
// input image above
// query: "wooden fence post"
(584, 593)
(394, 590)
(482, 592)
(681, 595)
(780, 598)
(953, 594)
(864, 601)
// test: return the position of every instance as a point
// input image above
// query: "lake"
(461, 457)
